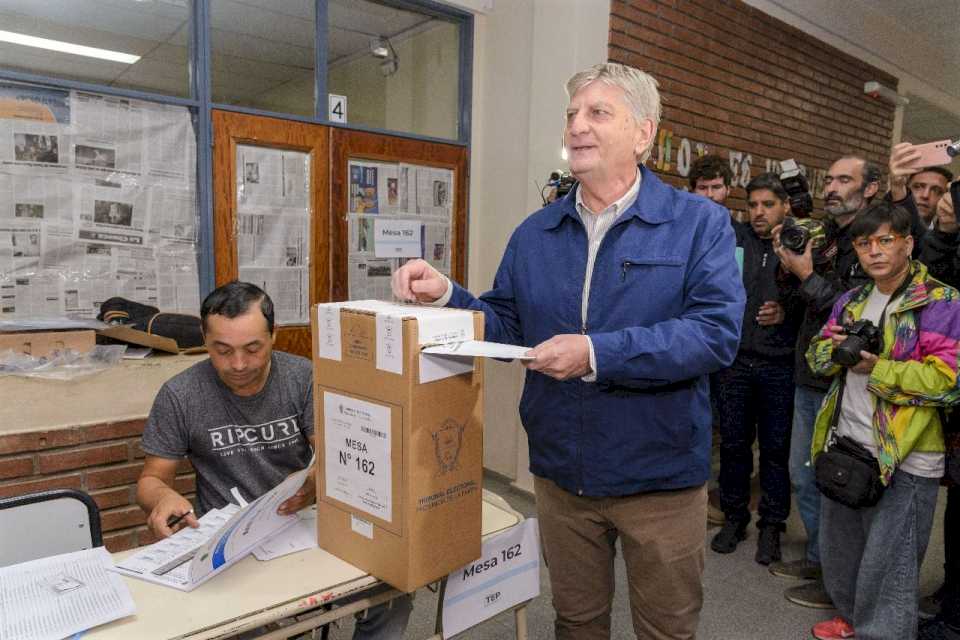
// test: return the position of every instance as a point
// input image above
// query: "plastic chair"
(47, 523)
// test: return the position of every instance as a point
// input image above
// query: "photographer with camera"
(825, 272)
(891, 346)
(755, 400)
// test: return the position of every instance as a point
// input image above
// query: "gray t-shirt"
(248, 442)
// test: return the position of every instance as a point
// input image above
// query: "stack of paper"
(55, 597)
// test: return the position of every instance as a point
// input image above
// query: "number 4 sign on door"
(338, 107)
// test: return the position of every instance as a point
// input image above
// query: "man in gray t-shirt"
(244, 418)
(250, 443)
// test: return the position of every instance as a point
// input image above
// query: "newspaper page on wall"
(97, 199)
(397, 211)
(273, 227)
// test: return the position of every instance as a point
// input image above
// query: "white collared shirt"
(597, 225)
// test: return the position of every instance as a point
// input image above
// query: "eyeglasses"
(862, 245)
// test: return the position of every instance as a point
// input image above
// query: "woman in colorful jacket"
(891, 407)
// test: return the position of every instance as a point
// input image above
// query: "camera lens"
(847, 353)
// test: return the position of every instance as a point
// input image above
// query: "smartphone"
(932, 154)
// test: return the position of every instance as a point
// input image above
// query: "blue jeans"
(806, 404)
(871, 557)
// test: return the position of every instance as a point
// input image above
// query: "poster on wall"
(387, 202)
(97, 199)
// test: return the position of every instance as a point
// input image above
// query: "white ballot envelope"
(479, 348)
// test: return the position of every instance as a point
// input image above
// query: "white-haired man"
(630, 292)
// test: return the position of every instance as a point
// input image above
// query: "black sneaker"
(729, 537)
(768, 544)
(796, 569)
(809, 594)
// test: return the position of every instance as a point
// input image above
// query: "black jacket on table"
(765, 281)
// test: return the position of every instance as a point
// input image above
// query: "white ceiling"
(258, 45)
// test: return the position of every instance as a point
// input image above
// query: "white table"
(252, 594)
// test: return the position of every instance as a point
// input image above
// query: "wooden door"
(346, 146)
(268, 174)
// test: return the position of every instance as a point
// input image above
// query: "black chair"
(47, 523)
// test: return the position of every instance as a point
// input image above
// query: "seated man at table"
(244, 419)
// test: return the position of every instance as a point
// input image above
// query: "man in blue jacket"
(630, 292)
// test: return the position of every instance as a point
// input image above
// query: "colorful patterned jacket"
(916, 372)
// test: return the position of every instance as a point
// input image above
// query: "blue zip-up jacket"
(666, 303)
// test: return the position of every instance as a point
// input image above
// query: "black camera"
(862, 335)
(797, 188)
(797, 232)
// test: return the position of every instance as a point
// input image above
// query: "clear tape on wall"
(97, 199)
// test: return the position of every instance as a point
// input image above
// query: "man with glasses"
(886, 402)
(850, 186)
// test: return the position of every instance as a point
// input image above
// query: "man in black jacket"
(756, 391)
(850, 185)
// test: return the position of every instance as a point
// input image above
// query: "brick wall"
(104, 460)
(750, 88)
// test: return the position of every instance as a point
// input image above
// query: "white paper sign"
(507, 574)
(338, 107)
(397, 239)
(390, 343)
(357, 453)
(328, 332)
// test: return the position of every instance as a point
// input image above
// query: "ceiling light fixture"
(384, 51)
(67, 47)
(380, 48)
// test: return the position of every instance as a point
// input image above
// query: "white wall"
(524, 51)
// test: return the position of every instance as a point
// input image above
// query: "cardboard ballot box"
(400, 440)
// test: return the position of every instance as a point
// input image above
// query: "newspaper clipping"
(273, 227)
(401, 192)
(97, 199)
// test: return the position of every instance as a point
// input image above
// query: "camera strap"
(835, 419)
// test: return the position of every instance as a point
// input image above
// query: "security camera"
(876, 90)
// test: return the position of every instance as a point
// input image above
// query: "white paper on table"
(246, 530)
(149, 563)
(299, 537)
(480, 349)
(357, 443)
(32, 608)
(397, 238)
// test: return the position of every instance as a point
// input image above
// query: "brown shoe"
(715, 517)
(809, 594)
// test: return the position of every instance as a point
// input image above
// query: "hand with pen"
(172, 513)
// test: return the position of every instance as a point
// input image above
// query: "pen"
(173, 521)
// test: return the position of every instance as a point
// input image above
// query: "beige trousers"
(662, 534)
